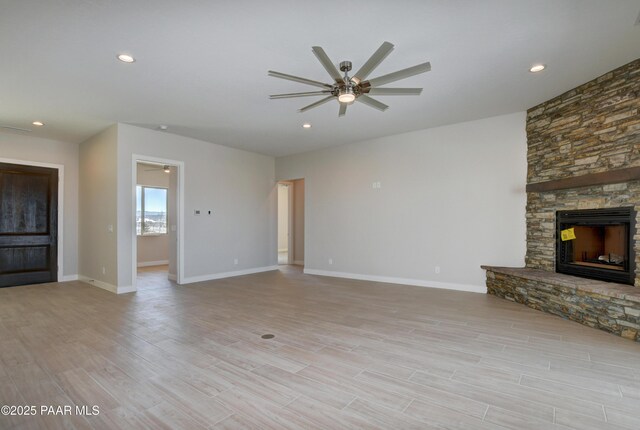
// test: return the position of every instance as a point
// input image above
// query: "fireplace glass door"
(596, 244)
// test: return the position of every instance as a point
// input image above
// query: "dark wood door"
(28, 225)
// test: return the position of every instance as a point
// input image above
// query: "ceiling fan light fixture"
(346, 95)
(306, 125)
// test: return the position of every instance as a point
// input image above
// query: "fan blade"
(327, 64)
(394, 91)
(316, 104)
(400, 74)
(372, 102)
(307, 94)
(8, 127)
(373, 62)
(343, 109)
(298, 79)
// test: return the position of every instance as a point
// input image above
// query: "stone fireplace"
(583, 157)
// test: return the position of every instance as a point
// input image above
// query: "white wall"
(33, 149)
(98, 210)
(283, 217)
(451, 196)
(152, 249)
(238, 186)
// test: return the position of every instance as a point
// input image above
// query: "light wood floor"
(153, 277)
(346, 354)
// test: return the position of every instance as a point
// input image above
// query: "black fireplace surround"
(598, 244)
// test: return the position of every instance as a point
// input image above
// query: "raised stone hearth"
(583, 152)
(604, 305)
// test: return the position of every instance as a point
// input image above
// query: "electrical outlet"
(104, 270)
(235, 261)
(110, 228)
(330, 261)
(437, 269)
(196, 211)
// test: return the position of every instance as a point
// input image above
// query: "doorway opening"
(284, 222)
(291, 222)
(156, 226)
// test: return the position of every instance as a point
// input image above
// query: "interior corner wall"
(237, 186)
(451, 198)
(33, 149)
(98, 209)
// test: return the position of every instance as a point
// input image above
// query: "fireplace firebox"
(597, 244)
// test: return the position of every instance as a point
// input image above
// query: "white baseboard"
(106, 286)
(172, 277)
(403, 281)
(222, 275)
(299, 262)
(68, 278)
(99, 284)
(153, 263)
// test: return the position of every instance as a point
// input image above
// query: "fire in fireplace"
(597, 244)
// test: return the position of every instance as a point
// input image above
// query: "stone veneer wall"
(591, 129)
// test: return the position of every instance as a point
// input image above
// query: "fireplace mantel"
(602, 178)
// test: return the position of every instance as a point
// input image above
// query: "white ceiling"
(202, 65)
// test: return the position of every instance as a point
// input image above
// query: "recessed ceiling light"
(126, 58)
(38, 123)
(306, 125)
(163, 127)
(537, 68)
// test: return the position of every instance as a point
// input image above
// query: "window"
(151, 210)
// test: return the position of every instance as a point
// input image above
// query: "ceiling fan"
(347, 89)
